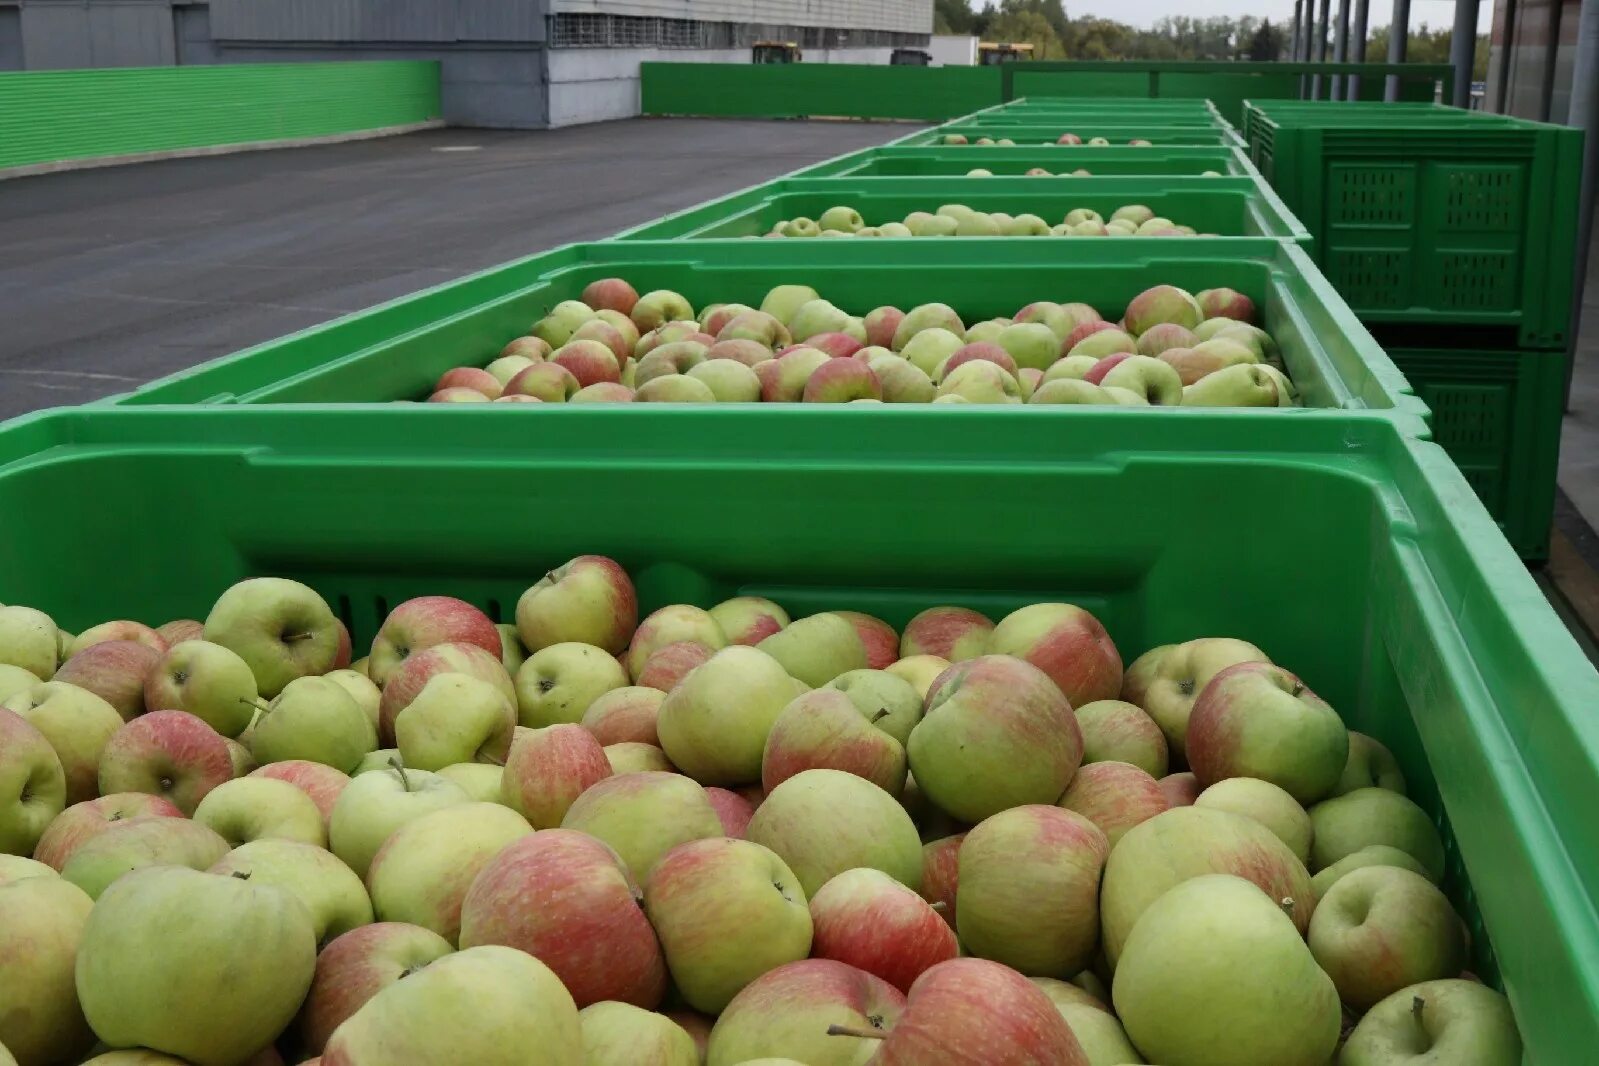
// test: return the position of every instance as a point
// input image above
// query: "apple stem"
(1299, 686)
(290, 638)
(1416, 1004)
(399, 768)
(941, 906)
(242, 875)
(1287, 904)
(880, 715)
(864, 1034)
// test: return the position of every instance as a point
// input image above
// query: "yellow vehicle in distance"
(991, 53)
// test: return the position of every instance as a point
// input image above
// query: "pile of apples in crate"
(711, 835)
(1066, 139)
(1170, 348)
(958, 220)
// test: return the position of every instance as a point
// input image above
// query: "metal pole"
(1585, 115)
(1340, 48)
(1507, 53)
(1398, 40)
(1551, 58)
(1296, 51)
(1318, 47)
(1463, 49)
(1358, 45)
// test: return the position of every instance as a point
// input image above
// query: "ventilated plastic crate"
(1039, 133)
(893, 161)
(1360, 113)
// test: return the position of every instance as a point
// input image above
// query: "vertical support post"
(1340, 49)
(1507, 55)
(1398, 45)
(1463, 49)
(1318, 47)
(1585, 115)
(1551, 57)
(1357, 45)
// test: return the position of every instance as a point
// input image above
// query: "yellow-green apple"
(512, 654)
(1102, 1037)
(1097, 340)
(356, 966)
(1029, 344)
(787, 1013)
(322, 783)
(252, 808)
(315, 719)
(1370, 765)
(1324, 879)
(117, 671)
(1167, 335)
(1241, 385)
(1059, 320)
(697, 1026)
(1266, 804)
(1072, 391)
(14, 679)
(624, 714)
(455, 718)
(1066, 643)
(360, 689)
(479, 780)
(1215, 972)
(924, 317)
(997, 733)
(1460, 1022)
(667, 666)
(507, 367)
(824, 728)
(166, 753)
(868, 920)
(919, 671)
(490, 1006)
(817, 316)
(81, 822)
(17, 868)
(179, 630)
(557, 326)
(902, 381)
(784, 300)
(30, 640)
(246, 951)
(1032, 853)
(658, 307)
(841, 380)
(382, 759)
(423, 870)
(594, 358)
(1162, 303)
(879, 638)
(1259, 720)
(138, 842)
(77, 723)
(41, 925)
(631, 757)
(544, 381)
(1117, 731)
(547, 769)
(620, 1034)
(823, 822)
(420, 668)
(952, 633)
(1381, 928)
(818, 648)
(588, 599)
(729, 381)
(1115, 796)
(1345, 824)
(1153, 380)
(209, 681)
(1188, 842)
(1165, 681)
(375, 804)
(714, 725)
(975, 1010)
(672, 624)
(888, 701)
(783, 378)
(672, 360)
(930, 349)
(941, 874)
(757, 326)
(558, 682)
(243, 761)
(1193, 365)
(610, 294)
(670, 333)
(469, 377)
(426, 621)
(281, 628)
(560, 895)
(733, 810)
(1071, 368)
(703, 887)
(750, 353)
(748, 619)
(881, 324)
(980, 382)
(334, 896)
(121, 629)
(714, 317)
(643, 816)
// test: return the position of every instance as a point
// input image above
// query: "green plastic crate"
(397, 351)
(1442, 223)
(1497, 414)
(1359, 559)
(954, 161)
(1096, 116)
(1042, 134)
(1227, 207)
(1360, 113)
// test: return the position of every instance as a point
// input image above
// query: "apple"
(281, 628)
(902, 381)
(1215, 972)
(489, 1006)
(547, 769)
(507, 367)
(952, 633)
(732, 809)
(670, 361)
(786, 1014)
(558, 682)
(1065, 642)
(1152, 379)
(1115, 796)
(558, 325)
(1382, 928)
(881, 324)
(1100, 341)
(179, 630)
(468, 377)
(1345, 824)
(420, 668)
(1188, 842)
(77, 723)
(1071, 368)
(714, 725)
(171, 754)
(322, 783)
(41, 925)
(667, 666)
(1240, 385)
(644, 815)
(823, 822)
(544, 381)
(700, 888)
(588, 599)
(868, 920)
(715, 317)
(1193, 365)
(331, 892)
(818, 316)
(139, 842)
(920, 671)
(998, 733)
(620, 1034)
(784, 300)
(117, 671)
(556, 895)
(1461, 1021)
(824, 728)
(818, 648)
(14, 679)
(315, 719)
(980, 382)
(207, 680)
(750, 353)
(729, 381)
(424, 622)
(423, 870)
(1266, 804)
(1259, 720)
(356, 966)
(246, 951)
(1102, 1037)
(941, 874)
(1165, 681)
(479, 780)
(755, 326)
(1116, 731)
(783, 378)
(840, 381)
(930, 349)
(748, 619)
(82, 822)
(1370, 765)
(610, 294)
(625, 715)
(373, 805)
(121, 629)
(1324, 879)
(678, 622)
(29, 639)
(632, 757)
(382, 759)
(252, 808)
(889, 702)
(243, 761)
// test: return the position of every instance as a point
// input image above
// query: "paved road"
(112, 277)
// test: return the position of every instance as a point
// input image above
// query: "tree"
(1267, 43)
(952, 16)
(1427, 45)
(1027, 27)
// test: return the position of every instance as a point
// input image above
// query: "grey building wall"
(64, 34)
(905, 16)
(379, 21)
(10, 38)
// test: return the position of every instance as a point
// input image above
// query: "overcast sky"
(1144, 12)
